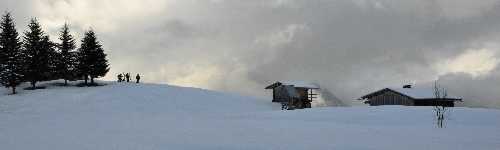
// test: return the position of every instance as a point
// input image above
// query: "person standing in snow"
(137, 78)
(120, 77)
(284, 106)
(127, 76)
(123, 77)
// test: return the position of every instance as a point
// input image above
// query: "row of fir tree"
(35, 58)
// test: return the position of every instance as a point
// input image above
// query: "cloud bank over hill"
(350, 47)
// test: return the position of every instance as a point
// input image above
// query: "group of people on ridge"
(122, 77)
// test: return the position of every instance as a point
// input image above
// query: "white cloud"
(282, 36)
(473, 62)
(198, 76)
(106, 15)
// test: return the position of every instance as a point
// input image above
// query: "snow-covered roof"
(415, 93)
(420, 93)
(301, 84)
(297, 84)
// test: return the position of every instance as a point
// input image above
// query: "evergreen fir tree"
(37, 54)
(92, 60)
(11, 64)
(67, 56)
(54, 58)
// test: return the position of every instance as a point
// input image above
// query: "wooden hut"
(293, 95)
(408, 96)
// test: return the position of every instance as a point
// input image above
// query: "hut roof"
(414, 93)
(297, 84)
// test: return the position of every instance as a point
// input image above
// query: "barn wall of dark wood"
(391, 98)
(274, 96)
(433, 102)
(280, 95)
(302, 100)
(303, 93)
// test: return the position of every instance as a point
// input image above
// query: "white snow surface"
(122, 116)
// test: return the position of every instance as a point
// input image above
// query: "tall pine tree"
(11, 58)
(92, 60)
(37, 52)
(54, 58)
(67, 56)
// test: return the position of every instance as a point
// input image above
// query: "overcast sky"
(350, 47)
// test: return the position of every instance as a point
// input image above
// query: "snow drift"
(145, 116)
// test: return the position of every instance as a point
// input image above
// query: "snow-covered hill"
(144, 116)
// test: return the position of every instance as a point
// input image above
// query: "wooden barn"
(293, 95)
(408, 96)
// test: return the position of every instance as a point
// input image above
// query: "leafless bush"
(439, 107)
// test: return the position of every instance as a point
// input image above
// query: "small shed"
(408, 96)
(293, 95)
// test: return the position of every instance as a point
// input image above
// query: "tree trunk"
(92, 80)
(86, 78)
(33, 84)
(65, 82)
(13, 89)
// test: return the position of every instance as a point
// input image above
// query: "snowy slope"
(130, 116)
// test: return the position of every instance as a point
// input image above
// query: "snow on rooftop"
(420, 93)
(301, 84)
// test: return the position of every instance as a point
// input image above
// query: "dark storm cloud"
(477, 92)
(350, 47)
(353, 50)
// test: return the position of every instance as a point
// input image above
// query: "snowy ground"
(147, 117)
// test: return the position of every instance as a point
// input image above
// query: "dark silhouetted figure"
(284, 106)
(127, 76)
(120, 77)
(137, 78)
